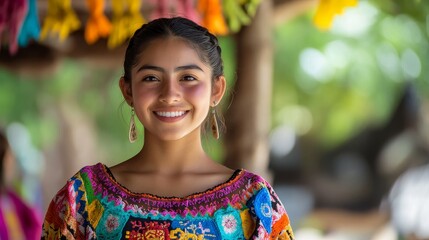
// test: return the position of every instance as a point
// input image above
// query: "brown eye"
(189, 78)
(150, 79)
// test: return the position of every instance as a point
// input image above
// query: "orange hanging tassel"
(126, 20)
(213, 19)
(60, 19)
(328, 9)
(98, 25)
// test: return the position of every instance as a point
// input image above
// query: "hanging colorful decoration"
(126, 19)
(31, 27)
(328, 9)
(12, 15)
(170, 8)
(19, 18)
(163, 8)
(98, 25)
(239, 13)
(212, 19)
(60, 19)
(251, 6)
(185, 8)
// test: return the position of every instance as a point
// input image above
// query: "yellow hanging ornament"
(60, 19)
(213, 19)
(126, 20)
(98, 25)
(328, 9)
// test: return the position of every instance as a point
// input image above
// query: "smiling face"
(171, 89)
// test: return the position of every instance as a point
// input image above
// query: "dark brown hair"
(205, 43)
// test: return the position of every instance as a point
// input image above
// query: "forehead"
(170, 51)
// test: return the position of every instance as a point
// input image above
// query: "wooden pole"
(249, 116)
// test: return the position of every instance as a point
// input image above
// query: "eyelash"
(186, 78)
(150, 79)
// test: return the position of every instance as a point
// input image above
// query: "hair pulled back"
(205, 43)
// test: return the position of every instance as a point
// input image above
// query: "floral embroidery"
(112, 223)
(200, 228)
(229, 223)
(180, 234)
(260, 206)
(266, 210)
(94, 206)
(140, 229)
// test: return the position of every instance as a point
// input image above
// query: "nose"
(170, 92)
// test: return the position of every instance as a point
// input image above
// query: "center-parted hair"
(205, 43)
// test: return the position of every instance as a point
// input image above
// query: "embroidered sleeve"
(66, 214)
(272, 221)
(280, 227)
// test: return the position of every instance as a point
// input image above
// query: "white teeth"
(170, 114)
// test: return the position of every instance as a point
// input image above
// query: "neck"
(186, 154)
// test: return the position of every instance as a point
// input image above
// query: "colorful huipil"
(93, 205)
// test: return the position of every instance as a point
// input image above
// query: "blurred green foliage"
(351, 76)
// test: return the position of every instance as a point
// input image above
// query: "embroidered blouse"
(93, 205)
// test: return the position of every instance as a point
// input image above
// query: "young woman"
(173, 80)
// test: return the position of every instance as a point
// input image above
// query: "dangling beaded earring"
(213, 121)
(132, 133)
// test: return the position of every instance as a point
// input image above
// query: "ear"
(218, 89)
(126, 91)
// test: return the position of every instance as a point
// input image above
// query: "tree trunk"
(249, 117)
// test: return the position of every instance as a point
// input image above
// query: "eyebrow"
(160, 69)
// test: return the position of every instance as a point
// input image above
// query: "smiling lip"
(170, 116)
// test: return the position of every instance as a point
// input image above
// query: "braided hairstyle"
(205, 43)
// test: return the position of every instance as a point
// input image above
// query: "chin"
(172, 137)
(176, 134)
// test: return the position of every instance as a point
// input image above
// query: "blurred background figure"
(408, 202)
(17, 219)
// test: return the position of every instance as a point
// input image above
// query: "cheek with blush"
(144, 94)
(200, 94)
